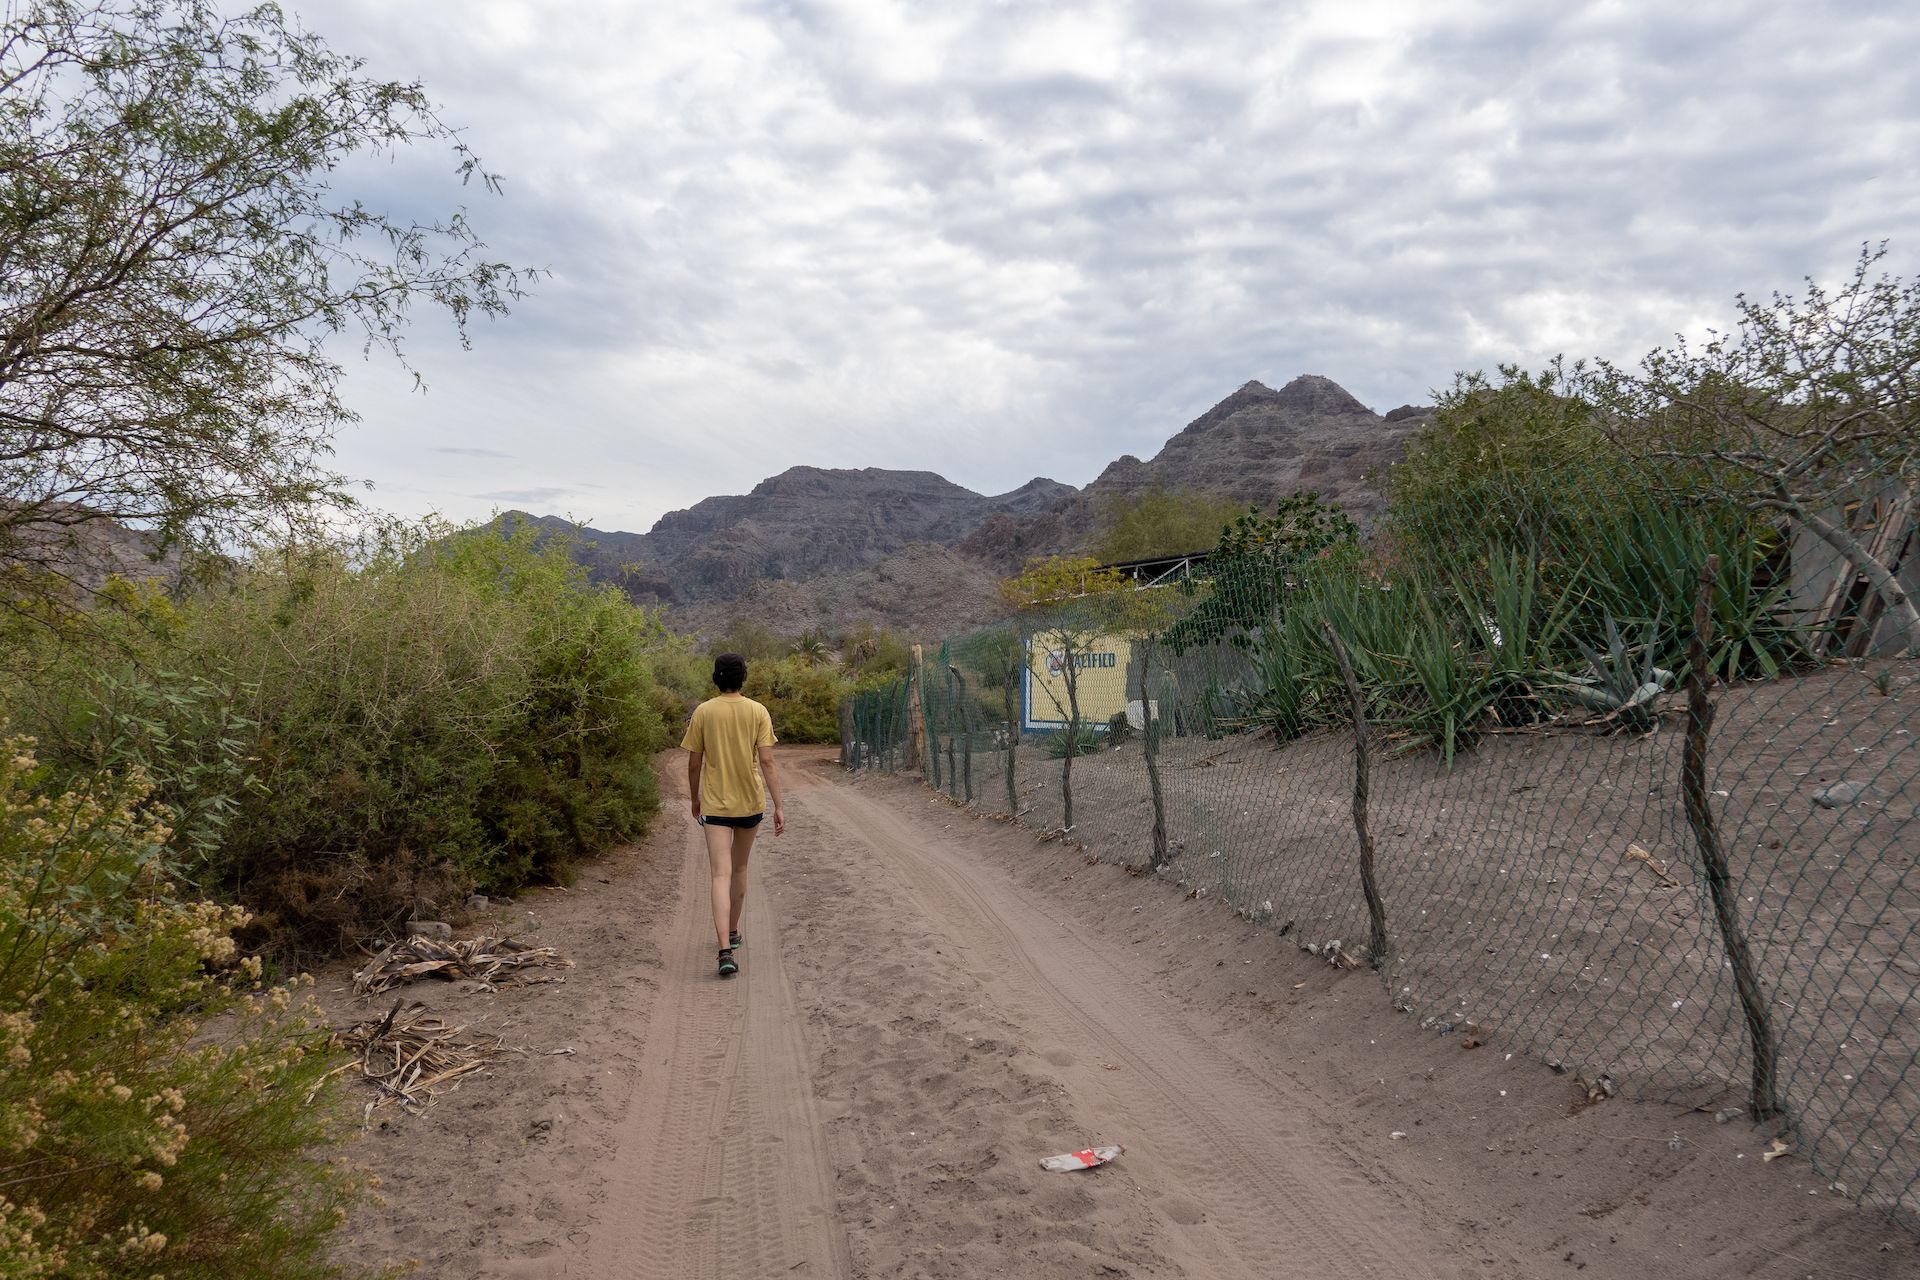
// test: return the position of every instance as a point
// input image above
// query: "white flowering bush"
(163, 1110)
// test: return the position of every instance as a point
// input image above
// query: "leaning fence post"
(1693, 791)
(1150, 750)
(1376, 910)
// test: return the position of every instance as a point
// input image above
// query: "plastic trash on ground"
(1081, 1159)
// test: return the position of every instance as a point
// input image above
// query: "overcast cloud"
(996, 240)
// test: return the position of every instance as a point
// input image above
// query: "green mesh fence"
(1530, 658)
(874, 730)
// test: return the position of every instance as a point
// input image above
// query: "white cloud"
(994, 239)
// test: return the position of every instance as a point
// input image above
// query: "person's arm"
(695, 760)
(772, 776)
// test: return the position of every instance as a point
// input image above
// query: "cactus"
(1622, 685)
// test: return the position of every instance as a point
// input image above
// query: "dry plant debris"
(409, 1054)
(1635, 853)
(1333, 953)
(487, 961)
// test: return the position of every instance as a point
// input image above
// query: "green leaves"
(1252, 570)
(1624, 684)
(173, 257)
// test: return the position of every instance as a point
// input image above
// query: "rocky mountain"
(1259, 444)
(815, 547)
(803, 525)
(84, 549)
(1255, 446)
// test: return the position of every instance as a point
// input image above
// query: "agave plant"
(1516, 624)
(1625, 683)
(1276, 694)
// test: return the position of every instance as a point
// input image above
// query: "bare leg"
(720, 864)
(742, 848)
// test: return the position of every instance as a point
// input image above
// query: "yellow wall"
(1102, 681)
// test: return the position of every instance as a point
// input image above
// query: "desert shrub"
(752, 640)
(874, 655)
(573, 775)
(114, 698)
(1512, 463)
(350, 730)
(157, 1107)
(1257, 566)
(382, 687)
(683, 678)
(1085, 743)
(1160, 522)
(1527, 466)
(803, 698)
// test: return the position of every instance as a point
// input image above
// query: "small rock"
(429, 929)
(1556, 1066)
(1838, 794)
(1728, 1114)
(1444, 1028)
(478, 902)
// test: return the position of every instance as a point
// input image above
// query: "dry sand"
(931, 1001)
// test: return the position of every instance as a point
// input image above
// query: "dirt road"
(931, 1001)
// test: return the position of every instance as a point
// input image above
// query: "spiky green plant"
(1516, 625)
(1625, 684)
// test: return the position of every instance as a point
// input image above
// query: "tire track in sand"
(719, 1169)
(1277, 1201)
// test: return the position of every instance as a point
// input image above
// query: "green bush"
(874, 655)
(352, 730)
(574, 774)
(116, 699)
(158, 1112)
(803, 698)
(1160, 522)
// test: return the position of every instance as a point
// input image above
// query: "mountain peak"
(1316, 394)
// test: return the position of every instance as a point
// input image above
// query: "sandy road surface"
(721, 1169)
(931, 1001)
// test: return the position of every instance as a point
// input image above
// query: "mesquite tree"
(1811, 404)
(174, 257)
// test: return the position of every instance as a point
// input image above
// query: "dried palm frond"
(487, 961)
(409, 1055)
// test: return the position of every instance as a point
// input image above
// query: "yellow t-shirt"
(728, 732)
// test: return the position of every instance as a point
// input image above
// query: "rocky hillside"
(85, 549)
(1259, 444)
(820, 548)
(1255, 446)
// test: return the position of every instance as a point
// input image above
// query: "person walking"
(727, 738)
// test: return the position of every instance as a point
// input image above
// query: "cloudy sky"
(1002, 239)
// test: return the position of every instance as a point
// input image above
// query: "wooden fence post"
(1376, 909)
(1706, 834)
(916, 717)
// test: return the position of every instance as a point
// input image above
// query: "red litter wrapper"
(1081, 1159)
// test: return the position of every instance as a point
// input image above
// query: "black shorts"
(739, 824)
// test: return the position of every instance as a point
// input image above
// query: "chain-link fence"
(1587, 772)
